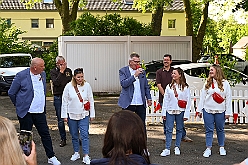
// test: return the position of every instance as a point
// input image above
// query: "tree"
(67, 10)
(241, 5)
(199, 32)
(9, 40)
(156, 7)
(108, 25)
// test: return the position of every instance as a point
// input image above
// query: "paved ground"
(191, 153)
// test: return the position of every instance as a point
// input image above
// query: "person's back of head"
(125, 135)
(11, 153)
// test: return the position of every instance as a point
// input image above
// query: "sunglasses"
(78, 70)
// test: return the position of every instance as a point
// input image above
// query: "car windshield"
(233, 76)
(14, 61)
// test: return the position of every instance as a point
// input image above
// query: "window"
(47, 44)
(128, 2)
(171, 24)
(38, 43)
(35, 23)
(50, 23)
(47, 1)
(8, 20)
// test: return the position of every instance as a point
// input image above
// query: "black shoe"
(62, 143)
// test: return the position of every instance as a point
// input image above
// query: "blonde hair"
(11, 151)
(219, 77)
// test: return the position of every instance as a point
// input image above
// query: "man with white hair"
(60, 76)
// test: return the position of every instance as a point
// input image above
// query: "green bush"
(108, 25)
(9, 41)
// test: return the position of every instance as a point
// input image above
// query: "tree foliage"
(222, 34)
(9, 39)
(67, 10)
(241, 5)
(108, 25)
(156, 7)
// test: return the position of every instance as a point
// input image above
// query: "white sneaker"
(207, 153)
(165, 152)
(222, 151)
(86, 159)
(177, 151)
(75, 156)
(54, 161)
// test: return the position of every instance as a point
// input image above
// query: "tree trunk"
(197, 40)
(67, 15)
(157, 20)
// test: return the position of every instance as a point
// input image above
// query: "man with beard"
(163, 78)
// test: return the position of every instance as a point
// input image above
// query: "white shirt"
(137, 99)
(38, 102)
(207, 102)
(170, 102)
(71, 104)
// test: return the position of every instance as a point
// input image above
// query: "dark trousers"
(61, 125)
(40, 122)
(140, 110)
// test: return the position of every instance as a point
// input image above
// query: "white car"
(194, 76)
(10, 64)
(241, 65)
(194, 72)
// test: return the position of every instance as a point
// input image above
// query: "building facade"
(43, 23)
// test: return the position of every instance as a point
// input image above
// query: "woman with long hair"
(216, 105)
(125, 141)
(11, 152)
(78, 110)
(176, 108)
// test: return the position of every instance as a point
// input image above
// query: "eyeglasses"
(78, 70)
(136, 62)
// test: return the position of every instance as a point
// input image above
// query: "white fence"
(239, 106)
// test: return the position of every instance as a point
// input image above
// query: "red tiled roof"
(91, 5)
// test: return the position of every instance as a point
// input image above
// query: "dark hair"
(167, 55)
(78, 71)
(182, 81)
(125, 134)
(134, 55)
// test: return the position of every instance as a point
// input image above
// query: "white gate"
(239, 106)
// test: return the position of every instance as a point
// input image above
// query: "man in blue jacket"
(135, 93)
(28, 94)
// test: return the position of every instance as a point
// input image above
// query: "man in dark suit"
(28, 94)
(135, 91)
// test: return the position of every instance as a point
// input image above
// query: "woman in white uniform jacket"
(172, 110)
(214, 113)
(74, 111)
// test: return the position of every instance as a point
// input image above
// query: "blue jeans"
(83, 126)
(61, 126)
(140, 110)
(170, 118)
(217, 120)
(40, 122)
(164, 123)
